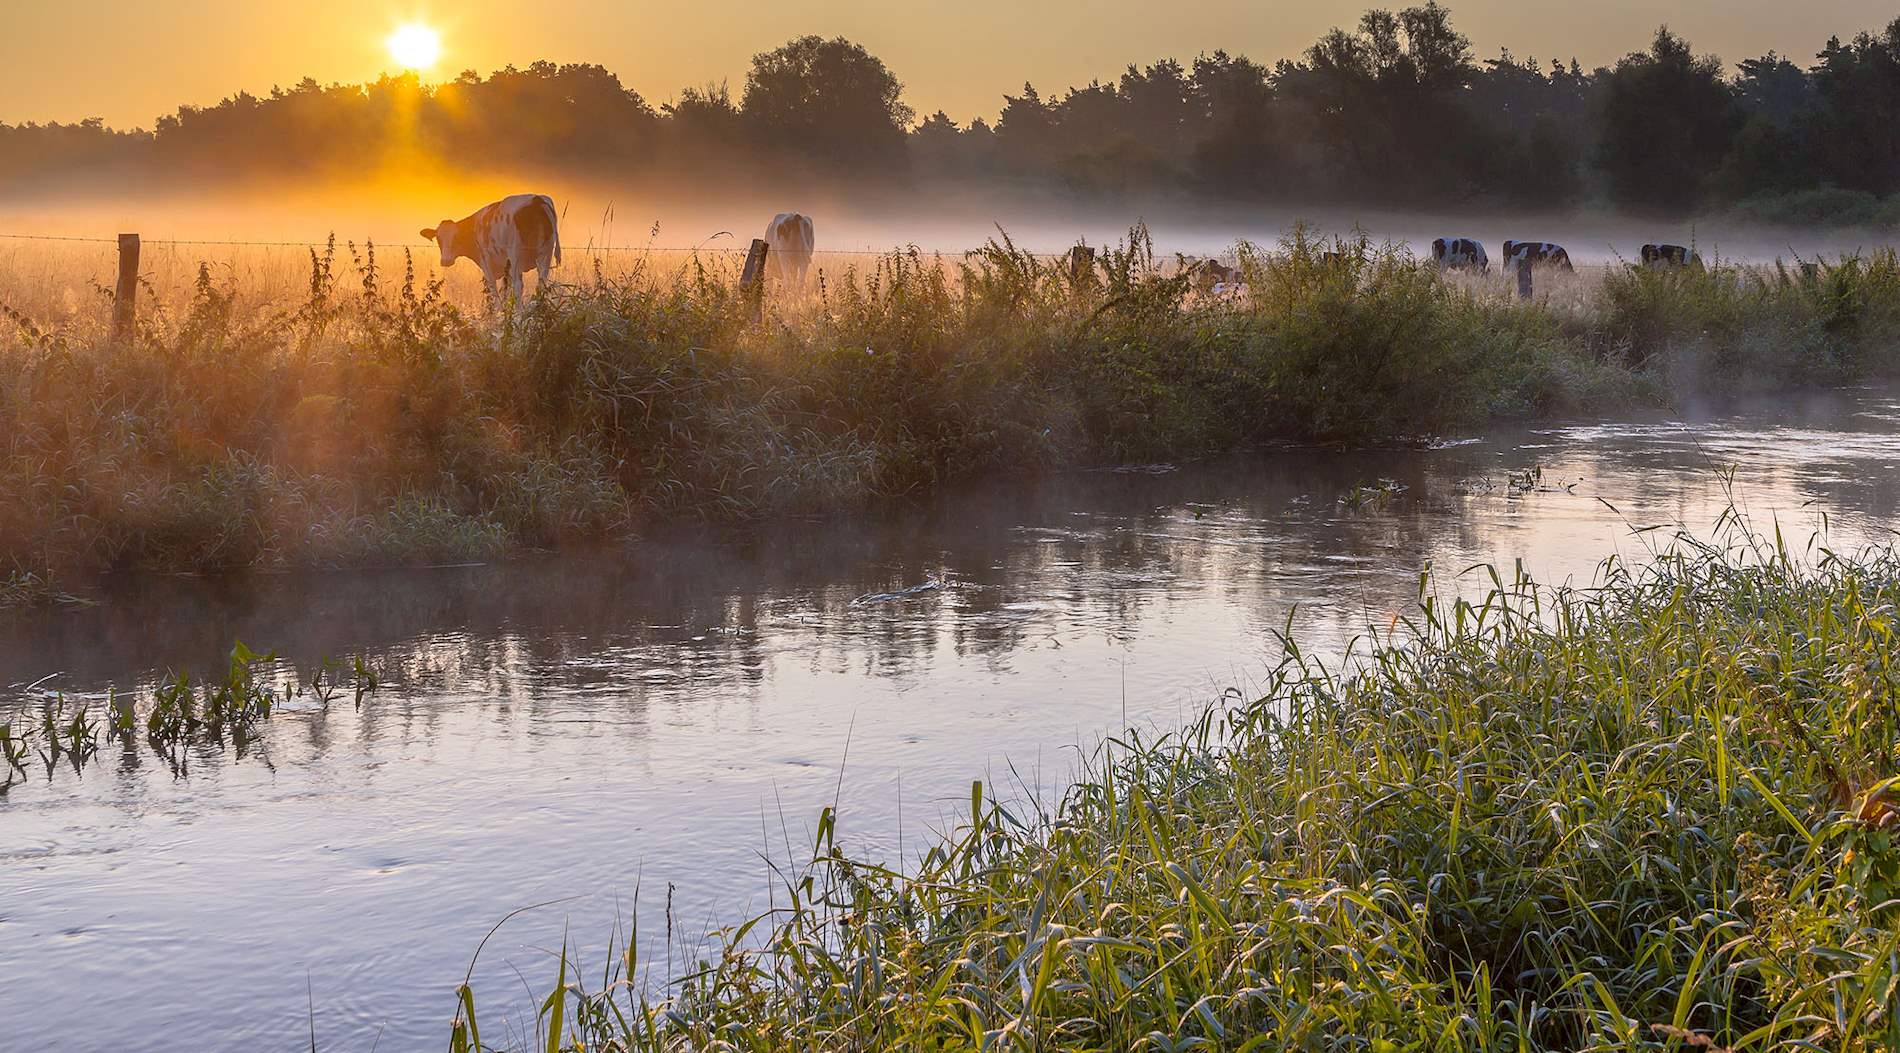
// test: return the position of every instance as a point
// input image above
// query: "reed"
(177, 715)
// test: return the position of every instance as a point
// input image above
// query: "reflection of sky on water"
(596, 724)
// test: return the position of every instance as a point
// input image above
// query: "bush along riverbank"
(368, 419)
(1660, 814)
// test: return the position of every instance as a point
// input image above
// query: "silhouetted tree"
(1856, 117)
(1025, 131)
(1236, 149)
(1385, 103)
(831, 100)
(1667, 121)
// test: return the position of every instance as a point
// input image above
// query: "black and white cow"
(1536, 254)
(1670, 256)
(1459, 254)
(505, 239)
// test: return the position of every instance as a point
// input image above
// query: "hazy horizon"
(960, 59)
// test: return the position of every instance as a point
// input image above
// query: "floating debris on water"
(1375, 495)
(928, 585)
(1531, 481)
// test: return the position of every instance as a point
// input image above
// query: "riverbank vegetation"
(373, 418)
(1656, 814)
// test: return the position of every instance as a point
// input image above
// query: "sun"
(415, 46)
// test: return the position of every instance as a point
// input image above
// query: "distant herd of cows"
(1469, 254)
(521, 233)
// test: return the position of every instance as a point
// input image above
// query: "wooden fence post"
(125, 299)
(1081, 264)
(752, 281)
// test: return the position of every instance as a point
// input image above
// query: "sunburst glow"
(415, 46)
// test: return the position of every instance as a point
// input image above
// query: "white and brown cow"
(1536, 254)
(1210, 277)
(1459, 254)
(1670, 256)
(506, 239)
(792, 244)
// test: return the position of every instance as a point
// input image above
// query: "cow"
(1210, 276)
(1536, 254)
(790, 237)
(505, 239)
(1670, 256)
(1459, 254)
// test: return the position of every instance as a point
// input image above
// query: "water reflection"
(598, 725)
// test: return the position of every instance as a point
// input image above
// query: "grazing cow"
(1210, 276)
(1536, 254)
(505, 239)
(1459, 254)
(1670, 256)
(790, 236)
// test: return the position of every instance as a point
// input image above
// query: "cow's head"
(443, 234)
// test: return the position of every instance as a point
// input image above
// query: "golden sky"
(131, 60)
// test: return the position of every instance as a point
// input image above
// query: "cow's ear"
(429, 232)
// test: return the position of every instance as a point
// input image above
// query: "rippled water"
(619, 728)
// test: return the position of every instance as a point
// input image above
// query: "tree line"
(1396, 110)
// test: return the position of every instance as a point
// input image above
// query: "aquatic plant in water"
(180, 713)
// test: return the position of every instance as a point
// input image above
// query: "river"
(630, 728)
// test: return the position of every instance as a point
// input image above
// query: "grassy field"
(289, 406)
(1659, 814)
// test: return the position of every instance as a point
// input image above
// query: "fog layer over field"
(946, 218)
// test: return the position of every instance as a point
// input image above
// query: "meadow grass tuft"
(1656, 814)
(369, 414)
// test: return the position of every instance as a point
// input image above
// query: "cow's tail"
(554, 225)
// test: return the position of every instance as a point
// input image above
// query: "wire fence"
(734, 249)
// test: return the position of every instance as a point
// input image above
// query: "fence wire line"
(732, 251)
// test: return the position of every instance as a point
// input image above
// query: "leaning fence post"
(125, 299)
(752, 281)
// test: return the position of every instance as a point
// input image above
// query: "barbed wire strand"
(735, 250)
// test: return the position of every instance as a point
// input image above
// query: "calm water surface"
(610, 728)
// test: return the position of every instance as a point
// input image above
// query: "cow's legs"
(488, 286)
